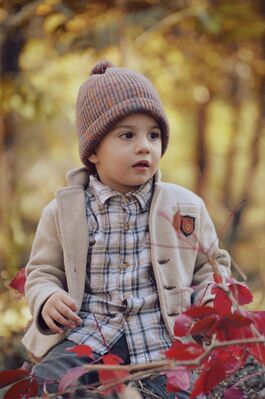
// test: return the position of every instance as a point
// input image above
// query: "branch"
(144, 366)
(22, 16)
(168, 21)
(12, 22)
(144, 370)
(135, 376)
(221, 344)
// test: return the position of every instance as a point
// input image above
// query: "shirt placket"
(126, 261)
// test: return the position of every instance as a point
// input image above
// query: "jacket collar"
(78, 177)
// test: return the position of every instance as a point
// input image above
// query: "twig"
(168, 364)
(15, 20)
(102, 336)
(169, 21)
(248, 377)
(132, 377)
(164, 365)
(135, 367)
(238, 269)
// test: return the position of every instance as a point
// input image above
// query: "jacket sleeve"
(210, 258)
(45, 269)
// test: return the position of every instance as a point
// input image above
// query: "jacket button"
(124, 304)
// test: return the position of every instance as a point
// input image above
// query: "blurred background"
(207, 60)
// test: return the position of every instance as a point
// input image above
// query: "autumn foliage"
(235, 332)
(218, 341)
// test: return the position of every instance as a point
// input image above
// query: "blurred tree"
(206, 57)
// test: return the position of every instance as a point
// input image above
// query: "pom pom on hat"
(101, 67)
(108, 95)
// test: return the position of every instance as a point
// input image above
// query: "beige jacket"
(180, 261)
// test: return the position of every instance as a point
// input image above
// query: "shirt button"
(126, 226)
(125, 264)
(124, 303)
(127, 317)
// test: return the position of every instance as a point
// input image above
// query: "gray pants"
(58, 361)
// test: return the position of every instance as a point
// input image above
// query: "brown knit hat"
(107, 96)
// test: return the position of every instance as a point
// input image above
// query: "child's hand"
(59, 309)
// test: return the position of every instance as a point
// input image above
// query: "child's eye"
(127, 135)
(155, 135)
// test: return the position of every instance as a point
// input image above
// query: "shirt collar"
(143, 193)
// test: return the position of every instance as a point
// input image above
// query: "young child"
(118, 254)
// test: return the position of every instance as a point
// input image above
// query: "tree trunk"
(201, 155)
(254, 150)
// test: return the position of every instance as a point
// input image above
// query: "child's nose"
(143, 145)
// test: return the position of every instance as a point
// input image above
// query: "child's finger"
(59, 318)
(68, 314)
(69, 309)
(69, 301)
(52, 326)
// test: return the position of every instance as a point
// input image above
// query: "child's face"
(129, 154)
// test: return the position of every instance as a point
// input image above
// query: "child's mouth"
(141, 166)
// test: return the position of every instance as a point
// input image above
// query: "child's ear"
(93, 158)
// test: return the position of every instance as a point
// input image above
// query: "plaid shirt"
(120, 291)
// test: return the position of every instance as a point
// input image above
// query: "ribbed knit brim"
(107, 96)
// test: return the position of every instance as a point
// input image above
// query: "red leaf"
(216, 374)
(199, 312)
(111, 359)
(70, 378)
(258, 352)
(180, 351)
(17, 390)
(109, 376)
(9, 376)
(198, 386)
(178, 379)
(81, 350)
(232, 357)
(217, 278)
(235, 326)
(222, 303)
(182, 325)
(33, 389)
(206, 326)
(228, 331)
(208, 379)
(238, 320)
(231, 365)
(18, 282)
(233, 393)
(241, 293)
